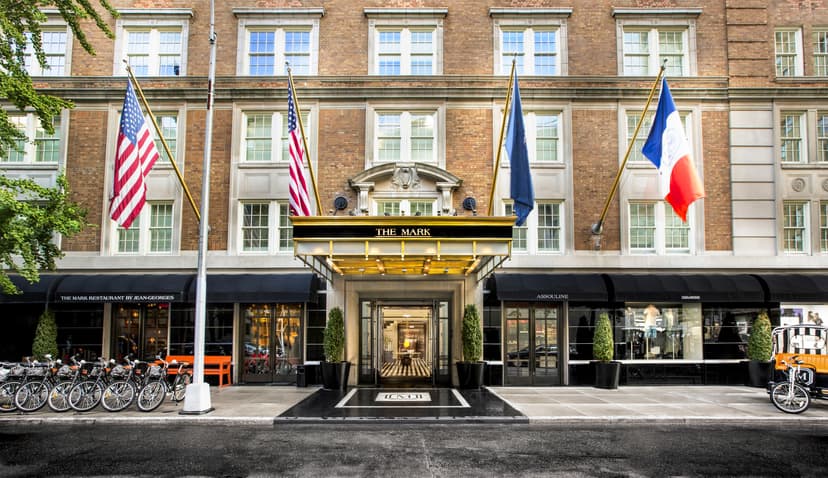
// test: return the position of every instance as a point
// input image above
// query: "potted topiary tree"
(470, 370)
(335, 369)
(45, 340)
(760, 348)
(607, 371)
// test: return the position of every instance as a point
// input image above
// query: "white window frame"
(797, 54)
(275, 227)
(820, 51)
(653, 21)
(519, 233)
(405, 20)
(823, 227)
(175, 147)
(661, 209)
(143, 224)
(30, 128)
(404, 204)
(637, 157)
(155, 21)
(801, 138)
(437, 112)
(529, 20)
(51, 26)
(279, 154)
(278, 21)
(805, 227)
(531, 227)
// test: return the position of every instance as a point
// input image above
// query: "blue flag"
(522, 192)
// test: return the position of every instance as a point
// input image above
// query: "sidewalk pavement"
(693, 405)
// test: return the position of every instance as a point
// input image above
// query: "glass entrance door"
(272, 342)
(532, 344)
(140, 330)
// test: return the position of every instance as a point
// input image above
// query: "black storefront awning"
(38, 292)
(796, 287)
(551, 287)
(231, 288)
(123, 288)
(686, 288)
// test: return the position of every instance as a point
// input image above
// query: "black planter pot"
(470, 374)
(607, 374)
(759, 373)
(335, 375)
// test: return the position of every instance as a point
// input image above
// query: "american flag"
(299, 203)
(134, 159)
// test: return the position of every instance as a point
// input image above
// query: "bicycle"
(13, 377)
(792, 395)
(125, 383)
(158, 385)
(66, 378)
(86, 394)
(33, 391)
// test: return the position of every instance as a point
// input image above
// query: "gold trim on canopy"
(402, 245)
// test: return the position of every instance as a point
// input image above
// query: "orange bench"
(213, 365)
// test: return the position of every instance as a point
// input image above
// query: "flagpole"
(304, 139)
(197, 399)
(502, 132)
(598, 227)
(163, 141)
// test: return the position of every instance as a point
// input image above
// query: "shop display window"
(218, 330)
(662, 332)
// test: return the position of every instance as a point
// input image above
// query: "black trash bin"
(494, 373)
(301, 377)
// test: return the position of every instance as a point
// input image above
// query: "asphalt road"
(395, 450)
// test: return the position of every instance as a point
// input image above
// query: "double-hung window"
(150, 233)
(265, 138)
(153, 41)
(55, 47)
(823, 227)
(535, 39)
(788, 52)
(270, 40)
(404, 207)
(543, 230)
(646, 38)
(820, 52)
(265, 227)
(803, 136)
(795, 227)
(405, 41)
(405, 136)
(46, 147)
(654, 228)
(632, 118)
(519, 233)
(168, 123)
(549, 226)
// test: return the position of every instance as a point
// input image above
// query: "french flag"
(669, 150)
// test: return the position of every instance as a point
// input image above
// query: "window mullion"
(528, 51)
(276, 134)
(273, 227)
(405, 136)
(405, 51)
(653, 51)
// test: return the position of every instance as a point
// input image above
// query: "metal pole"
(502, 131)
(598, 227)
(197, 399)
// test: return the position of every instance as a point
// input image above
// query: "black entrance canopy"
(123, 288)
(551, 287)
(231, 288)
(686, 288)
(796, 287)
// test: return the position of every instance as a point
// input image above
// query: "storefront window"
(272, 341)
(582, 320)
(662, 332)
(726, 332)
(218, 330)
(805, 314)
(79, 333)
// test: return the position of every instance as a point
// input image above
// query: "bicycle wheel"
(117, 396)
(31, 396)
(59, 396)
(180, 386)
(789, 400)
(84, 396)
(7, 392)
(151, 396)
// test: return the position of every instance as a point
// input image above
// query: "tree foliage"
(760, 342)
(333, 339)
(472, 334)
(30, 214)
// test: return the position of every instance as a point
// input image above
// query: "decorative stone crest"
(406, 177)
(825, 185)
(798, 185)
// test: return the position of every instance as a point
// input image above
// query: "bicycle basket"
(64, 371)
(4, 374)
(155, 371)
(37, 371)
(17, 371)
(96, 371)
(118, 371)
